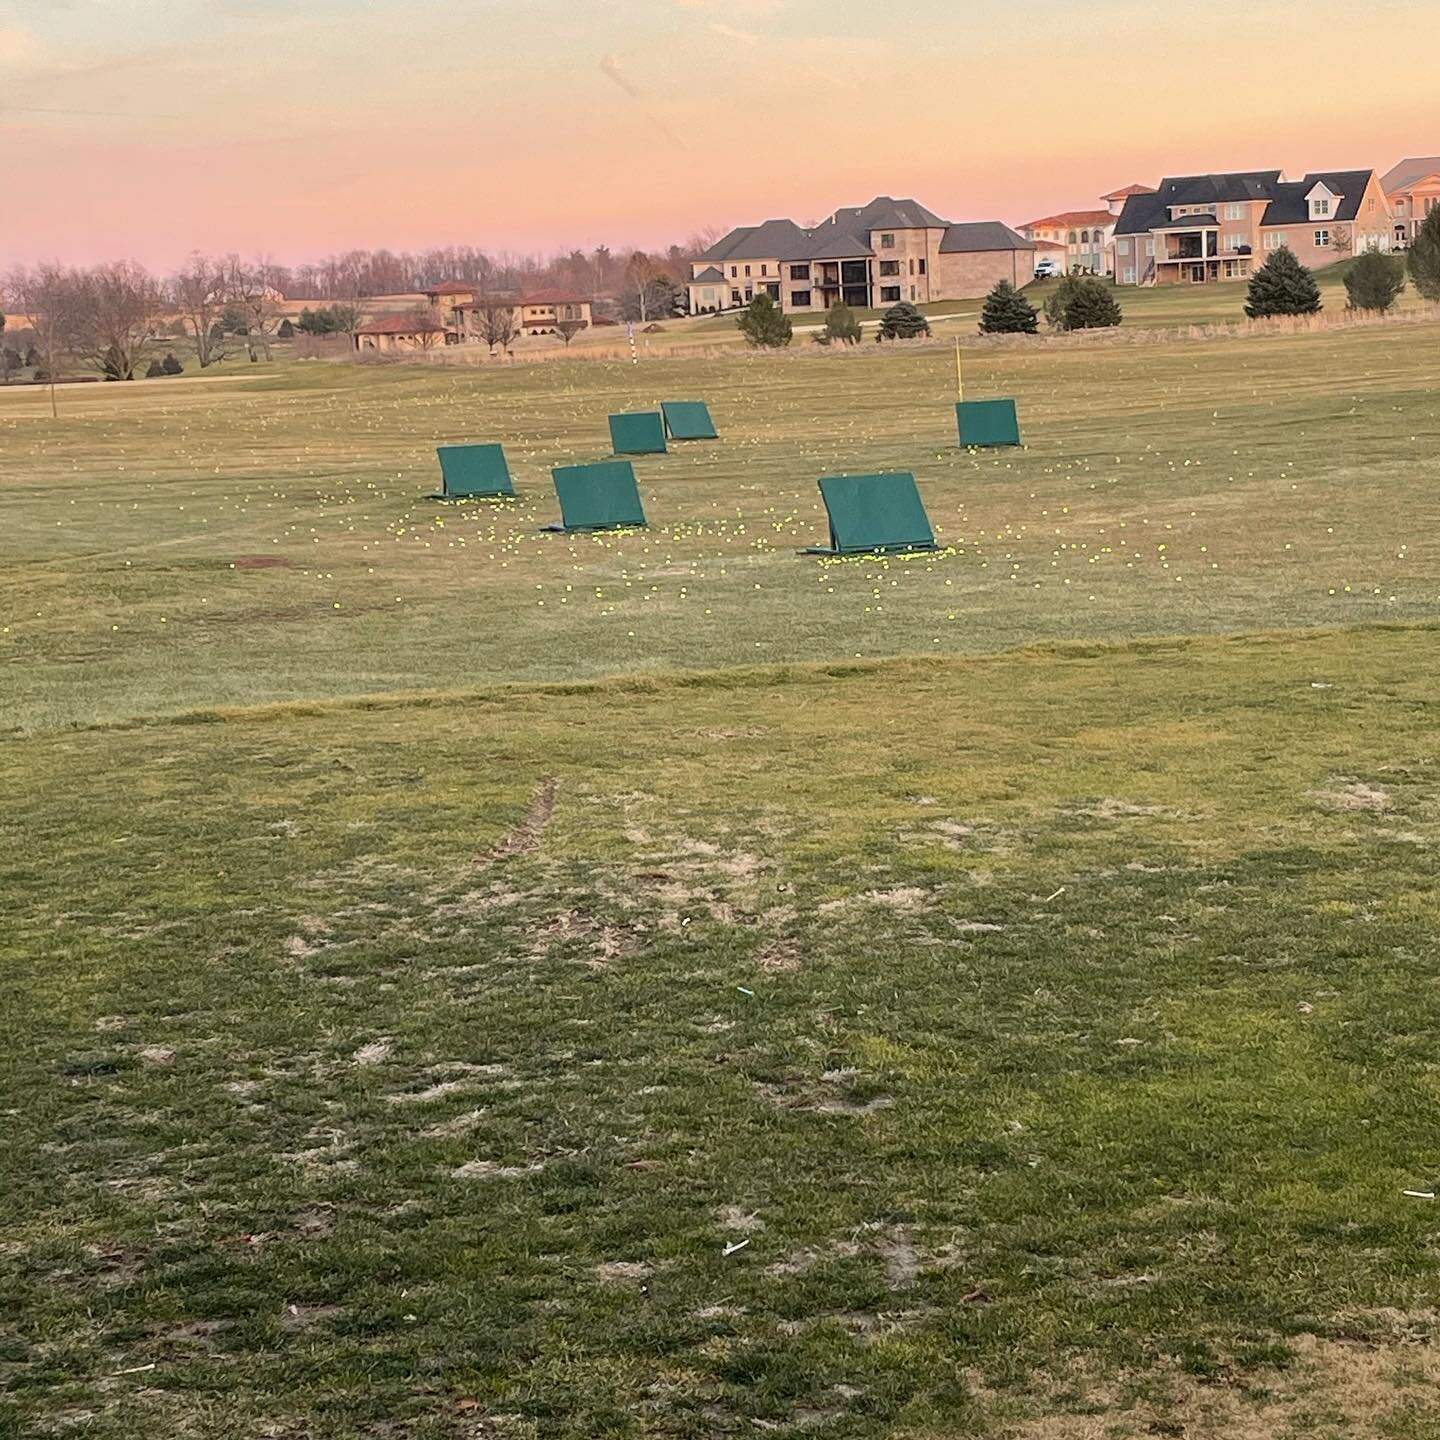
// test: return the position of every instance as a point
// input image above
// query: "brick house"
(1201, 228)
(869, 255)
(1413, 190)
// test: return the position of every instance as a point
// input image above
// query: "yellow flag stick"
(959, 373)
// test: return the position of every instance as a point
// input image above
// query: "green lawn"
(466, 982)
(1190, 487)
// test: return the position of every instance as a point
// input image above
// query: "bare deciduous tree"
(250, 288)
(115, 312)
(568, 329)
(45, 296)
(199, 293)
(498, 322)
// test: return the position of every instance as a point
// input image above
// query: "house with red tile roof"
(1084, 234)
(410, 331)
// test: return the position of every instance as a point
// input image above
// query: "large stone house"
(1200, 228)
(871, 255)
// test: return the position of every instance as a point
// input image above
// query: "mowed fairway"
(444, 1004)
(260, 538)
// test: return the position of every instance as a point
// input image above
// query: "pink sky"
(149, 128)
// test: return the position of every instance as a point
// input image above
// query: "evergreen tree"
(1425, 256)
(1282, 286)
(1092, 305)
(155, 370)
(841, 325)
(1374, 281)
(171, 365)
(1057, 304)
(286, 330)
(764, 325)
(1008, 312)
(902, 322)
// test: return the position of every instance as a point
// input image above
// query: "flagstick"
(959, 373)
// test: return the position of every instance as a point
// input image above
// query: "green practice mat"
(874, 512)
(988, 424)
(473, 470)
(688, 420)
(602, 496)
(639, 433)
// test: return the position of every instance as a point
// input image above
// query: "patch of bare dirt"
(526, 835)
(492, 1170)
(1347, 793)
(1360, 1389)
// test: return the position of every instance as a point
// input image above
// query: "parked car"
(1048, 269)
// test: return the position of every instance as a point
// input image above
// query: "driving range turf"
(411, 1003)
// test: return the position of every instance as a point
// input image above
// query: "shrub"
(841, 325)
(1093, 306)
(1374, 281)
(1282, 286)
(902, 322)
(1083, 302)
(1008, 312)
(154, 371)
(1425, 256)
(764, 325)
(171, 366)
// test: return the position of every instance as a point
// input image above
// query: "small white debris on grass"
(1419, 1194)
(732, 1246)
(373, 1053)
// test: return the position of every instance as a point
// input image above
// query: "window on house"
(1150, 246)
(887, 242)
(1322, 239)
(1322, 207)
(1072, 237)
(889, 294)
(912, 292)
(922, 267)
(747, 269)
(889, 267)
(799, 272)
(1276, 240)
(734, 297)
(912, 267)
(1234, 212)
(800, 299)
(764, 269)
(1122, 247)
(1129, 274)
(733, 272)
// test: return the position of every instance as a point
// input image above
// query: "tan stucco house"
(1413, 190)
(409, 332)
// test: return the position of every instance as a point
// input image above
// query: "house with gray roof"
(1196, 229)
(866, 255)
(1413, 189)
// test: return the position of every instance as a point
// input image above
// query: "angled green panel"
(988, 424)
(639, 433)
(688, 420)
(469, 470)
(602, 496)
(875, 512)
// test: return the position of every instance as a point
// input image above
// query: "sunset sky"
(296, 128)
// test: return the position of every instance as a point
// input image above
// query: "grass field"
(463, 982)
